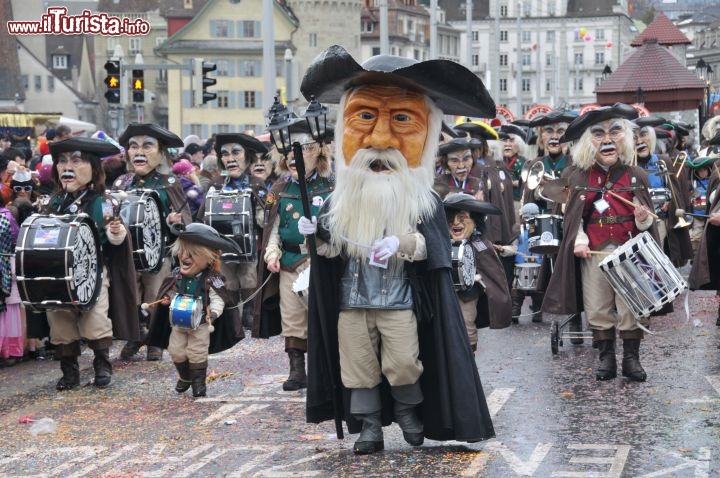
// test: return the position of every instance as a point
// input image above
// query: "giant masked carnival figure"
(147, 146)
(669, 190)
(387, 339)
(599, 217)
(80, 188)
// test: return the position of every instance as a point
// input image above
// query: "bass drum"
(231, 214)
(140, 211)
(58, 263)
(463, 265)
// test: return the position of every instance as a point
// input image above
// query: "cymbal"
(556, 190)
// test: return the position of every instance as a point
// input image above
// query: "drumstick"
(146, 306)
(192, 194)
(628, 202)
(602, 253)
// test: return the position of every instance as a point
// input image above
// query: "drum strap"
(615, 175)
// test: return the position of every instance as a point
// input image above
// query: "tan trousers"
(241, 275)
(368, 337)
(67, 326)
(293, 309)
(469, 311)
(603, 307)
(662, 232)
(148, 283)
(188, 344)
(696, 231)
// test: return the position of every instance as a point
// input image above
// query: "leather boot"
(68, 355)
(154, 353)
(198, 374)
(536, 305)
(129, 350)
(608, 366)
(101, 362)
(631, 367)
(576, 330)
(407, 397)
(297, 378)
(184, 380)
(517, 301)
(365, 406)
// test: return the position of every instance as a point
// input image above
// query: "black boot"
(154, 353)
(608, 366)
(68, 356)
(517, 301)
(184, 380)
(297, 378)
(198, 374)
(103, 368)
(407, 397)
(717, 321)
(576, 330)
(631, 367)
(365, 406)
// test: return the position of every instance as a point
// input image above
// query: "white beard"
(367, 206)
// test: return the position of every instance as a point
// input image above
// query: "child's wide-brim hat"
(205, 235)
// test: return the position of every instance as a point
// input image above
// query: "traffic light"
(138, 86)
(112, 81)
(200, 69)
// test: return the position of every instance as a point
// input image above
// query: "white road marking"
(616, 462)
(701, 464)
(520, 467)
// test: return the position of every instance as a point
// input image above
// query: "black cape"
(454, 406)
(228, 327)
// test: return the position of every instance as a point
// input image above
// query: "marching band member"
(146, 145)
(236, 151)
(669, 191)
(81, 189)
(385, 240)
(457, 160)
(487, 302)
(514, 155)
(284, 250)
(597, 221)
(197, 279)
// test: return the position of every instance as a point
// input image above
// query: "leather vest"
(368, 287)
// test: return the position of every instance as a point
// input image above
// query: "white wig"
(583, 152)
(652, 138)
(711, 127)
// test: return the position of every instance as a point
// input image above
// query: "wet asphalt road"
(552, 418)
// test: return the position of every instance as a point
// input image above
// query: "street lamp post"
(607, 71)
(703, 72)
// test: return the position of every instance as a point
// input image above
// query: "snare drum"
(545, 233)
(643, 275)
(58, 263)
(186, 312)
(301, 286)
(141, 212)
(231, 214)
(527, 275)
(463, 265)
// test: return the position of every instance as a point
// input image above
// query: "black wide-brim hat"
(715, 139)
(199, 233)
(661, 133)
(465, 202)
(95, 147)
(455, 89)
(513, 129)
(479, 131)
(576, 129)
(448, 130)
(244, 140)
(553, 117)
(457, 144)
(651, 120)
(167, 138)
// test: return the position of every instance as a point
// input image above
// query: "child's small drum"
(546, 233)
(526, 276)
(186, 312)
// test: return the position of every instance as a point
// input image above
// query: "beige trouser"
(604, 308)
(67, 326)
(242, 275)
(696, 231)
(469, 311)
(662, 232)
(188, 344)
(148, 283)
(293, 309)
(366, 336)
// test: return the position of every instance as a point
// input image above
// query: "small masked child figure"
(193, 302)
(486, 303)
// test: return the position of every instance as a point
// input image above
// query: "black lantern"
(279, 119)
(607, 71)
(710, 73)
(701, 68)
(316, 116)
